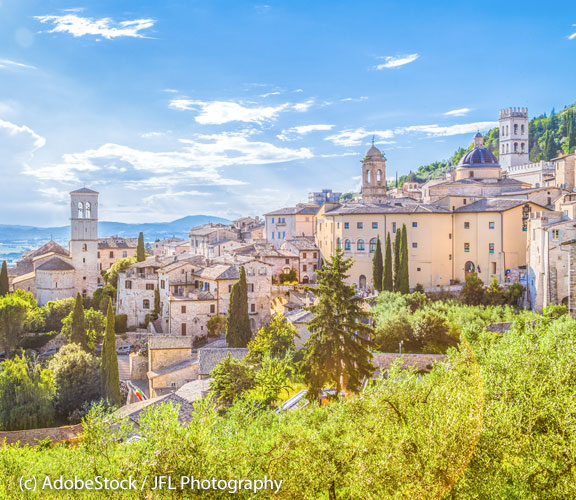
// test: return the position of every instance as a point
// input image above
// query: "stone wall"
(138, 367)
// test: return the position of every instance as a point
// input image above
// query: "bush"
(216, 325)
(472, 292)
(231, 378)
(432, 332)
(388, 335)
(121, 323)
(55, 311)
(37, 341)
(289, 277)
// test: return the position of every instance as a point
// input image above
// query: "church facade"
(54, 273)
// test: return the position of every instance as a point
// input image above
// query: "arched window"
(522, 146)
(379, 175)
(146, 304)
(369, 176)
(84, 247)
(507, 148)
(372, 246)
(80, 210)
(347, 245)
(360, 245)
(87, 210)
(362, 281)
(471, 173)
(515, 128)
(515, 147)
(338, 244)
(522, 129)
(503, 149)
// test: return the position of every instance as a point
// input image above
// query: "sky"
(233, 108)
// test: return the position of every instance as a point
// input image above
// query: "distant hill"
(549, 136)
(30, 235)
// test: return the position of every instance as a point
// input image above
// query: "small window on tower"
(84, 247)
(80, 210)
(87, 211)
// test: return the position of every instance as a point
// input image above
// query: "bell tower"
(374, 176)
(514, 145)
(84, 239)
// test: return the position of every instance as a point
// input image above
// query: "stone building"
(281, 261)
(290, 222)
(374, 176)
(324, 196)
(170, 246)
(53, 273)
(309, 257)
(170, 364)
(210, 240)
(514, 148)
(114, 248)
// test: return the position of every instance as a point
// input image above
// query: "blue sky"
(232, 108)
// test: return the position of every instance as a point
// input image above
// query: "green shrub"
(121, 323)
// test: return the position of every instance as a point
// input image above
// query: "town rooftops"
(55, 264)
(388, 208)
(117, 242)
(49, 247)
(303, 243)
(24, 277)
(219, 272)
(134, 411)
(209, 358)
(300, 209)
(207, 229)
(494, 205)
(170, 342)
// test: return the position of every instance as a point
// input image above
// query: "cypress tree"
(397, 241)
(388, 280)
(140, 251)
(4, 283)
(337, 352)
(238, 332)
(377, 267)
(157, 304)
(109, 375)
(78, 327)
(404, 286)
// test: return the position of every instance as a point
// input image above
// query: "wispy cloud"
(269, 94)
(8, 64)
(355, 137)
(458, 112)
(219, 112)
(106, 27)
(354, 99)
(396, 61)
(12, 130)
(573, 35)
(293, 132)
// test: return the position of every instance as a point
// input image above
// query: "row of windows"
(369, 176)
(490, 247)
(506, 148)
(111, 254)
(506, 129)
(360, 225)
(282, 220)
(281, 235)
(212, 309)
(84, 210)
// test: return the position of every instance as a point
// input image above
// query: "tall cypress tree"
(109, 375)
(337, 352)
(397, 241)
(377, 267)
(404, 280)
(4, 283)
(140, 251)
(238, 332)
(78, 333)
(388, 280)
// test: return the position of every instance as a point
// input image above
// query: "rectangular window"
(111, 255)
(125, 253)
(272, 234)
(464, 200)
(346, 225)
(128, 284)
(490, 225)
(304, 268)
(418, 269)
(374, 225)
(393, 227)
(414, 245)
(149, 286)
(314, 255)
(338, 225)
(287, 261)
(253, 308)
(359, 225)
(279, 235)
(272, 220)
(251, 287)
(450, 256)
(212, 308)
(555, 234)
(491, 247)
(162, 284)
(304, 255)
(449, 236)
(414, 224)
(492, 267)
(183, 309)
(466, 225)
(466, 247)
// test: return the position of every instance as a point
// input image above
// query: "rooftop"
(209, 358)
(55, 264)
(300, 209)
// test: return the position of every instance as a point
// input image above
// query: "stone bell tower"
(84, 239)
(374, 176)
(514, 146)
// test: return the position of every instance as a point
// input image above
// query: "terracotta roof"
(55, 264)
(303, 243)
(494, 205)
(301, 209)
(24, 277)
(209, 358)
(49, 247)
(373, 208)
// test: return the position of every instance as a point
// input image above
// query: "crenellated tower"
(514, 145)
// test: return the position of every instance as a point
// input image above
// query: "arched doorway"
(469, 267)
(305, 279)
(362, 281)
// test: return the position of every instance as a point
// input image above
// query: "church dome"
(374, 152)
(478, 157)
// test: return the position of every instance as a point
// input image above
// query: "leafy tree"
(216, 325)
(395, 331)
(4, 283)
(55, 311)
(431, 332)
(231, 378)
(337, 352)
(102, 295)
(275, 339)
(238, 332)
(403, 282)
(94, 325)
(26, 392)
(140, 250)
(494, 293)
(289, 277)
(397, 253)
(13, 311)
(388, 279)
(109, 373)
(118, 267)
(273, 378)
(377, 266)
(77, 326)
(472, 292)
(120, 323)
(77, 378)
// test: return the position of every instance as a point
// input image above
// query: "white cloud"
(269, 94)
(396, 61)
(354, 137)
(8, 64)
(151, 135)
(458, 112)
(13, 130)
(106, 27)
(219, 112)
(354, 99)
(573, 35)
(292, 133)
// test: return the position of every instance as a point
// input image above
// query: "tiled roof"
(297, 210)
(219, 271)
(209, 358)
(84, 190)
(116, 242)
(303, 243)
(372, 208)
(51, 246)
(172, 368)
(24, 277)
(55, 264)
(170, 342)
(300, 316)
(134, 411)
(493, 205)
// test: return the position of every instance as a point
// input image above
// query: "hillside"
(550, 136)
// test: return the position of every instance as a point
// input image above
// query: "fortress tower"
(374, 176)
(84, 239)
(514, 147)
